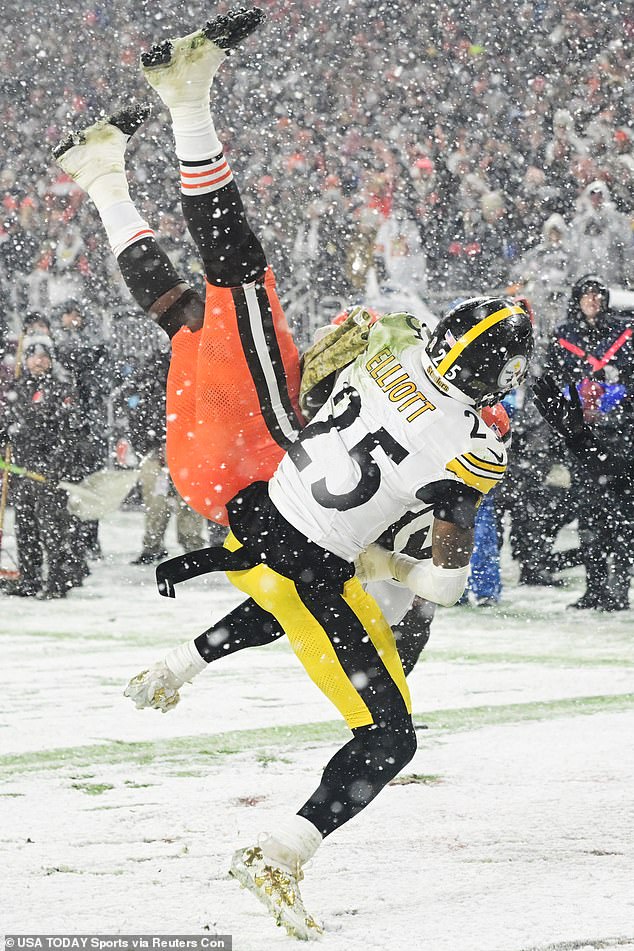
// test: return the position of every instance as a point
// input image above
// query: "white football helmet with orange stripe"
(480, 350)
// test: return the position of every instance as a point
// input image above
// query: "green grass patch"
(544, 660)
(266, 757)
(182, 752)
(417, 779)
(92, 789)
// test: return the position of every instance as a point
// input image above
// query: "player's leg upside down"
(232, 413)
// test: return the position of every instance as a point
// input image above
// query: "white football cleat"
(181, 70)
(156, 688)
(278, 889)
(100, 149)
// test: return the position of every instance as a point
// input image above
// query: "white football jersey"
(384, 434)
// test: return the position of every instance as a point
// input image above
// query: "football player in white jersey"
(400, 432)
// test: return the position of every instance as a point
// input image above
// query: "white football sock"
(205, 176)
(293, 843)
(184, 661)
(123, 223)
(195, 136)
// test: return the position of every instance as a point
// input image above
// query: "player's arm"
(443, 577)
(456, 499)
(565, 416)
(452, 545)
(335, 347)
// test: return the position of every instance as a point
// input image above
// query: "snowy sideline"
(512, 829)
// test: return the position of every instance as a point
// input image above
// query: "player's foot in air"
(276, 887)
(181, 70)
(100, 149)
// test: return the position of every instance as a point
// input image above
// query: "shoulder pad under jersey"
(483, 464)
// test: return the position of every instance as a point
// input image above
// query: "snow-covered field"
(513, 827)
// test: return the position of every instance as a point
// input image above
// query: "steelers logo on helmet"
(480, 350)
(512, 373)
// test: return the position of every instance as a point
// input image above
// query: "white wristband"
(184, 662)
(432, 582)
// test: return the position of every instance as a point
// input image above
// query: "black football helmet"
(480, 350)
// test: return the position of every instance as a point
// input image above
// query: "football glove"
(156, 688)
(374, 564)
(565, 416)
(332, 352)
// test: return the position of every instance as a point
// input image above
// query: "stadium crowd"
(418, 154)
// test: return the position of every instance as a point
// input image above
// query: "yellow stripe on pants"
(310, 641)
(379, 632)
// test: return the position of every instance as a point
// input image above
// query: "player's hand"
(156, 688)
(374, 564)
(565, 416)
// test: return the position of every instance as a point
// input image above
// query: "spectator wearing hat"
(593, 345)
(602, 237)
(565, 142)
(623, 140)
(620, 166)
(33, 324)
(593, 351)
(542, 274)
(41, 422)
(36, 324)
